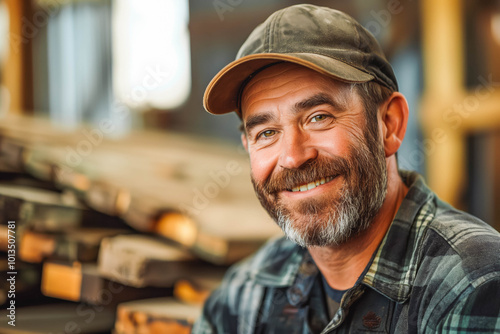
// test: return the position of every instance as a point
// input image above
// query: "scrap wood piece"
(46, 210)
(80, 244)
(196, 288)
(82, 282)
(140, 260)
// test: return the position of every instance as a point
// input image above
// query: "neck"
(341, 265)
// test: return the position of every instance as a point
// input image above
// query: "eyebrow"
(256, 120)
(317, 100)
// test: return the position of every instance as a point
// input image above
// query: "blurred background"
(97, 88)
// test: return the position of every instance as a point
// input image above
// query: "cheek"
(337, 142)
(262, 164)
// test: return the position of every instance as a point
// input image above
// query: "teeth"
(311, 185)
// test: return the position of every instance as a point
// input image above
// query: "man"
(367, 247)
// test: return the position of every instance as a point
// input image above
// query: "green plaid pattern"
(436, 271)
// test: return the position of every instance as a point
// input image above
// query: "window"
(151, 56)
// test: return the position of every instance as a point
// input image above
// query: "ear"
(394, 118)
(244, 141)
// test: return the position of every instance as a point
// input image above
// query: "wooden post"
(444, 81)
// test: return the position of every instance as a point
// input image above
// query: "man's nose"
(296, 150)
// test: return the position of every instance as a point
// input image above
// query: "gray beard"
(342, 222)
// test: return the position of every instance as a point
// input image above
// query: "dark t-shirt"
(332, 296)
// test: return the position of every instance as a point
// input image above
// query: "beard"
(328, 221)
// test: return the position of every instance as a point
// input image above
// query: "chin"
(314, 231)
(331, 228)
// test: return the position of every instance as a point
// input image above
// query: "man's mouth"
(314, 184)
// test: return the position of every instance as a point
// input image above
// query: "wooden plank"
(80, 244)
(61, 317)
(45, 210)
(160, 315)
(140, 260)
(81, 282)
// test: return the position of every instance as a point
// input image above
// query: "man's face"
(316, 168)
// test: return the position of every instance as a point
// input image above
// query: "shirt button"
(295, 295)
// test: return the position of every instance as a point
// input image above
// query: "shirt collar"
(280, 265)
(393, 267)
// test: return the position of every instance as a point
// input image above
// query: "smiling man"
(367, 247)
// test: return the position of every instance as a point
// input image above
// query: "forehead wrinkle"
(248, 102)
(250, 91)
(247, 98)
(273, 74)
(263, 76)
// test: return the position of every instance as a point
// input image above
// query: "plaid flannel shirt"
(437, 270)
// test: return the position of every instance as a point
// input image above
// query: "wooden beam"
(481, 110)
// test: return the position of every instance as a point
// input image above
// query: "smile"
(314, 184)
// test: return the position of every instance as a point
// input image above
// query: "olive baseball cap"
(323, 39)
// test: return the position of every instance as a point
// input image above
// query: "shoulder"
(477, 311)
(444, 236)
(459, 267)
(474, 243)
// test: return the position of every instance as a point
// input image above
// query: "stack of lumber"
(110, 222)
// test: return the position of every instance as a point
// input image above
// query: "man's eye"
(266, 134)
(318, 118)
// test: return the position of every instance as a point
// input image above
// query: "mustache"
(312, 170)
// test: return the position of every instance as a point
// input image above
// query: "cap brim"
(221, 95)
